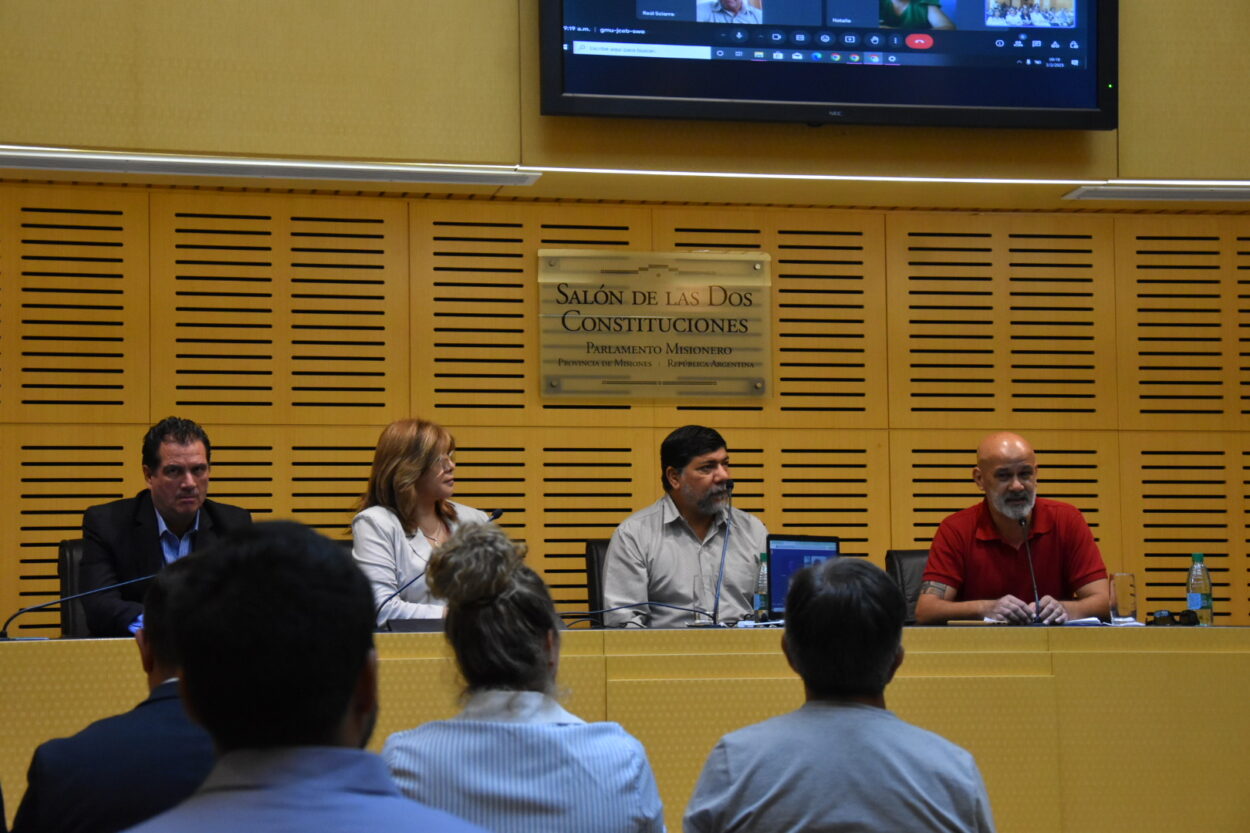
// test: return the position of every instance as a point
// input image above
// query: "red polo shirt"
(968, 554)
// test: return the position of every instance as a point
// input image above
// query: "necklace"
(432, 537)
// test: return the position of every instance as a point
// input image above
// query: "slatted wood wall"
(295, 327)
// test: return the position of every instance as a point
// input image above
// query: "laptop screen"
(788, 554)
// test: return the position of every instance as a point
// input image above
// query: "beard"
(716, 499)
(1016, 511)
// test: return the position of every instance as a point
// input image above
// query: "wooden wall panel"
(286, 78)
(73, 305)
(582, 483)
(1185, 492)
(53, 472)
(828, 299)
(294, 327)
(829, 483)
(1176, 77)
(280, 310)
(329, 471)
(1184, 321)
(475, 306)
(252, 468)
(1241, 370)
(1001, 320)
(931, 477)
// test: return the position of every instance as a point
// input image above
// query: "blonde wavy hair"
(406, 450)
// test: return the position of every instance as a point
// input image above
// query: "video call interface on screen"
(1046, 34)
(786, 557)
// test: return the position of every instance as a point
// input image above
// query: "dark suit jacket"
(120, 542)
(118, 771)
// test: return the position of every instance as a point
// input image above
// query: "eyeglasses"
(1167, 617)
(445, 462)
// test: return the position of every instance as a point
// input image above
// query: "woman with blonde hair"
(514, 759)
(407, 511)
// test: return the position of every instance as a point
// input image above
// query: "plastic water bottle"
(1200, 590)
(761, 589)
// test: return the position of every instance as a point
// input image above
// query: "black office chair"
(596, 551)
(73, 617)
(906, 567)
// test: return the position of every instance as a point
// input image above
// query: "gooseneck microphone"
(727, 511)
(4, 631)
(1028, 552)
(494, 516)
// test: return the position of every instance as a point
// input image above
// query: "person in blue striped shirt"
(514, 759)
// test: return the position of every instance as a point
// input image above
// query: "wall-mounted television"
(971, 63)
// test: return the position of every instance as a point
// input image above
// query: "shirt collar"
(671, 514)
(670, 511)
(1040, 523)
(162, 528)
(508, 706)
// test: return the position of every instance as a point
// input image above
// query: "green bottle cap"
(1197, 557)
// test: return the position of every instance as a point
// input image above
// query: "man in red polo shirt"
(978, 563)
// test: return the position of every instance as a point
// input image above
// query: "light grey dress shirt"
(655, 556)
(833, 767)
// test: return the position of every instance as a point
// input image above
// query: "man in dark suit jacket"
(125, 769)
(130, 538)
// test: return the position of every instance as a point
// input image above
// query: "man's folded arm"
(936, 605)
(1092, 599)
(107, 613)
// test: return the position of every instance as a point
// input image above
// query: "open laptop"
(787, 554)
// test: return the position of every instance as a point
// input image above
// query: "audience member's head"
(274, 626)
(844, 628)
(501, 621)
(409, 453)
(155, 639)
(683, 445)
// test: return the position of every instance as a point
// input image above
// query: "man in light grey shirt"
(670, 553)
(842, 762)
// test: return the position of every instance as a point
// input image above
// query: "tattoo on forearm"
(934, 588)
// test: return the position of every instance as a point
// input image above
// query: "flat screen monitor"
(974, 63)
(787, 554)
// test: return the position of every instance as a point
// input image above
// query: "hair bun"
(475, 566)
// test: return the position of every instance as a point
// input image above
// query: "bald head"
(1003, 446)
(1007, 472)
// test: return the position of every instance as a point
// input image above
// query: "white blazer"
(389, 558)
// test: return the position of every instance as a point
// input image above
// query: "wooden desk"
(1076, 729)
